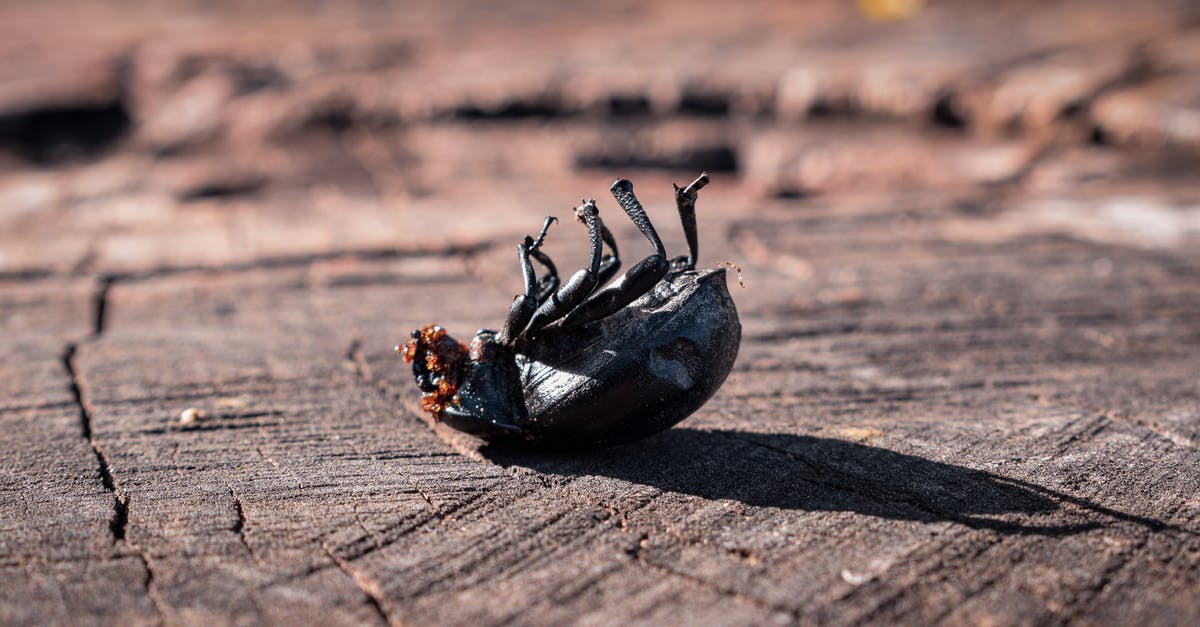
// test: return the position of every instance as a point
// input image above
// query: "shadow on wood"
(813, 473)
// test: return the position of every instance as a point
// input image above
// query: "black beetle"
(580, 364)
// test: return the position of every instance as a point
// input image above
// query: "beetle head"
(437, 361)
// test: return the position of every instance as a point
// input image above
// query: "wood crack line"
(369, 588)
(120, 514)
(118, 522)
(149, 585)
(239, 527)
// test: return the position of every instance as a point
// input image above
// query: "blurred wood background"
(967, 389)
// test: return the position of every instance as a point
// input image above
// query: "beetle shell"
(630, 375)
(637, 372)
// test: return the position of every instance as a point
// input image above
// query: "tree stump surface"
(967, 390)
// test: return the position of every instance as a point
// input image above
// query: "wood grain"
(967, 388)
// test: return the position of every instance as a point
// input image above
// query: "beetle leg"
(579, 286)
(549, 281)
(535, 244)
(610, 263)
(536, 290)
(523, 305)
(639, 279)
(685, 201)
(622, 190)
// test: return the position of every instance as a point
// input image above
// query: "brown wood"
(967, 388)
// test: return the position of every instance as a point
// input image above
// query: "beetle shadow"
(823, 474)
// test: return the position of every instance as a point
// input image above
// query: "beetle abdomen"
(637, 372)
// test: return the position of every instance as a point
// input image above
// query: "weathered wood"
(967, 388)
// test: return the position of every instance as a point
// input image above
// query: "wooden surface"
(967, 389)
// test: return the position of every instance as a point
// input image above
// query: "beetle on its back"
(584, 364)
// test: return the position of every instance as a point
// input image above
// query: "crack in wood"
(369, 589)
(119, 519)
(118, 524)
(239, 527)
(148, 583)
(363, 525)
(380, 541)
(100, 305)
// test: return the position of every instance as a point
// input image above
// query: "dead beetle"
(580, 364)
